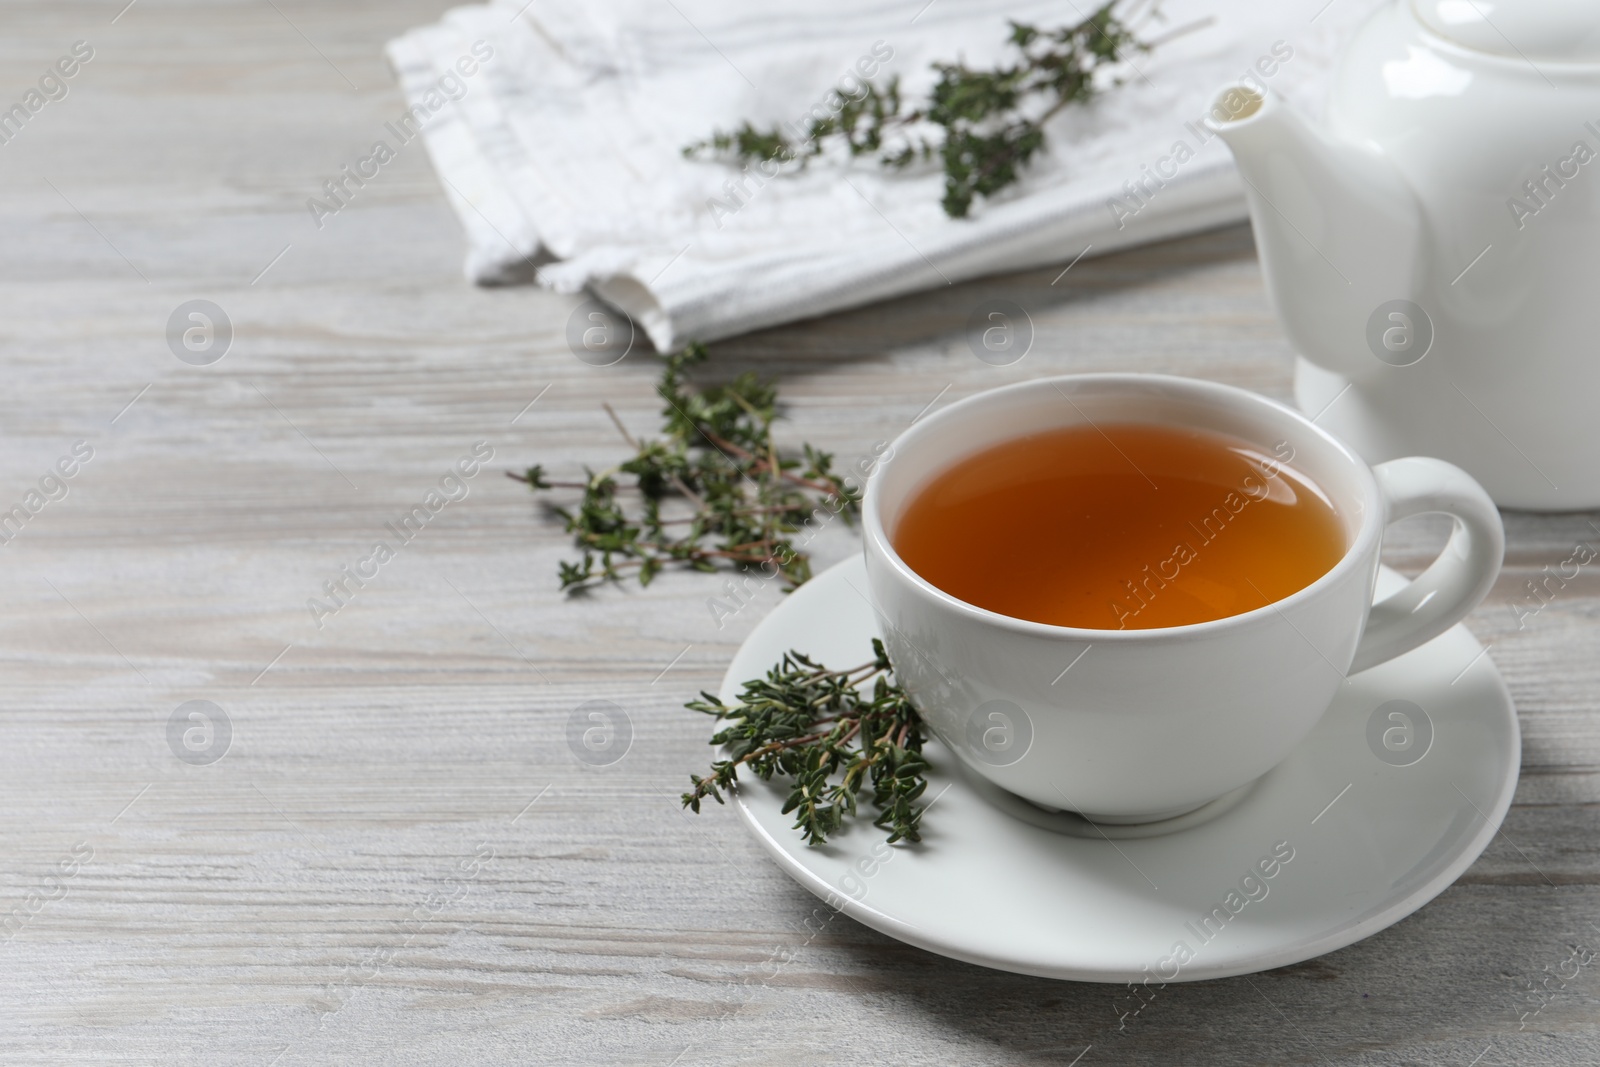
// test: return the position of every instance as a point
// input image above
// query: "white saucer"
(993, 885)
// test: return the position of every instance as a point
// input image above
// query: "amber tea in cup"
(1121, 526)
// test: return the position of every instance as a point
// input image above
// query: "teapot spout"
(1336, 225)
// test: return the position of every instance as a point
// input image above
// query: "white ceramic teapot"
(1433, 246)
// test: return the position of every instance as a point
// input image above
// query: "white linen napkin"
(557, 130)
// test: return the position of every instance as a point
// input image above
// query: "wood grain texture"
(259, 910)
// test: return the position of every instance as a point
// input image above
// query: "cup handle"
(1455, 582)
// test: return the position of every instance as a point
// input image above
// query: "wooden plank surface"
(411, 752)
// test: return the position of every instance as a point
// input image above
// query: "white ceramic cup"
(1140, 725)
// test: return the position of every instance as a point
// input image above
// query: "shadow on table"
(1438, 987)
(849, 336)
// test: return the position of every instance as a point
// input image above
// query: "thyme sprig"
(984, 126)
(822, 729)
(740, 498)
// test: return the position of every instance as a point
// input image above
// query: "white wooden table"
(398, 859)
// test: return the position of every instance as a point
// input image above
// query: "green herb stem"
(831, 736)
(984, 126)
(718, 456)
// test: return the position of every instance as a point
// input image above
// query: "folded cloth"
(558, 132)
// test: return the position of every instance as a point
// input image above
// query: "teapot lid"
(1561, 30)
